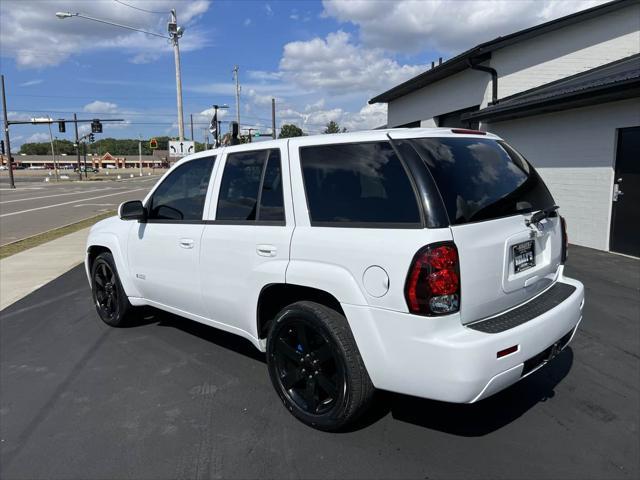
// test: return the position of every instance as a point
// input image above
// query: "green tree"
(289, 130)
(333, 127)
(115, 146)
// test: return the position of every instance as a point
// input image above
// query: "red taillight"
(443, 282)
(467, 131)
(433, 282)
(565, 239)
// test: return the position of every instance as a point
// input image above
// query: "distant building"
(566, 94)
(158, 159)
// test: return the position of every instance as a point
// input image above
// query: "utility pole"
(175, 33)
(273, 118)
(192, 127)
(7, 145)
(84, 151)
(53, 152)
(140, 152)
(75, 122)
(237, 79)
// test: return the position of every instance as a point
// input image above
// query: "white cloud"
(446, 26)
(314, 117)
(247, 22)
(99, 106)
(268, 9)
(30, 83)
(37, 138)
(32, 35)
(336, 65)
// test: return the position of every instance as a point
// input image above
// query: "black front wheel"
(111, 302)
(315, 366)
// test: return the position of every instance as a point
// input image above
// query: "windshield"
(481, 179)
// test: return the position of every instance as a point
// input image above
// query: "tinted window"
(182, 194)
(481, 179)
(357, 183)
(239, 188)
(271, 200)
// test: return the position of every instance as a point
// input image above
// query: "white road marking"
(57, 195)
(69, 203)
(94, 205)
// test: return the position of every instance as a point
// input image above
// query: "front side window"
(182, 194)
(251, 187)
(358, 183)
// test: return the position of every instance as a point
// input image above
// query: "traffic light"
(92, 137)
(1, 147)
(96, 126)
(153, 144)
(234, 130)
(61, 127)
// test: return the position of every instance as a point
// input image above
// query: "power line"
(138, 8)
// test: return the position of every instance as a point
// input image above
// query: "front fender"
(112, 242)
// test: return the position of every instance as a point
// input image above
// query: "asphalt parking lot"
(35, 207)
(169, 398)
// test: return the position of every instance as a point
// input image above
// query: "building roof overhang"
(482, 52)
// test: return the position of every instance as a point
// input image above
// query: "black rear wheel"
(109, 297)
(315, 366)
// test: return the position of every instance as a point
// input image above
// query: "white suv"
(422, 261)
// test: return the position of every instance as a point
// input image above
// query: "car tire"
(316, 368)
(109, 297)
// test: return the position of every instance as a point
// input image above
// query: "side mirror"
(132, 210)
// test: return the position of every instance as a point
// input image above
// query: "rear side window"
(182, 194)
(271, 200)
(251, 188)
(482, 179)
(358, 183)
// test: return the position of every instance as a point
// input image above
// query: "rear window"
(358, 184)
(482, 179)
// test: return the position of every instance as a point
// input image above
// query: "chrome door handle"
(186, 243)
(266, 250)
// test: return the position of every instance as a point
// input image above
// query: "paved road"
(170, 398)
(36, 207)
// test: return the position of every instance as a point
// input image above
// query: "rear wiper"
(541, 215)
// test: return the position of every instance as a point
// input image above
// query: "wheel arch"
(274, 297)
(107, 242)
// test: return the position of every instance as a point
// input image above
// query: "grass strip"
(44, 237)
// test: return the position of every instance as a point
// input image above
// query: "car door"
(163, 251)
(246, 245)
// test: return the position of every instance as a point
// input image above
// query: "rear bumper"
(441, 359)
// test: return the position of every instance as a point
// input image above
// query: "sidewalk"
(24, 272)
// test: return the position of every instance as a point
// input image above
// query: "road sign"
(179, 148)
(153, 144)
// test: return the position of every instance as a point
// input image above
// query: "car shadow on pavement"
(466, 420)
(478, 419)
(210, 334)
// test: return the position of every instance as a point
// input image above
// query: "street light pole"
(140, 152)
(7, 145)
(75, 122)
(175, 33)
(53, 152)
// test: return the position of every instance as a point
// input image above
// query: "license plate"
(524, 256)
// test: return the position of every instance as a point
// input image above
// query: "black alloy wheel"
(106, 291)
(109, 297)
(309, 368)
(315, 366)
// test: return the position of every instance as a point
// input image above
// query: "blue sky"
(321, 60)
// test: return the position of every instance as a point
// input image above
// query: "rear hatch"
(490, 192)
